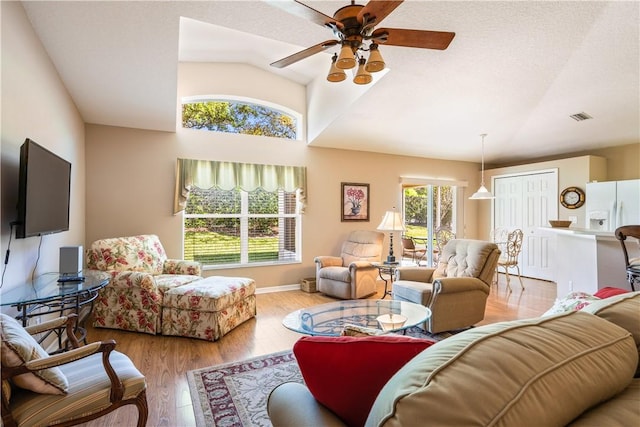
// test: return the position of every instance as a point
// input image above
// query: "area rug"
(235, 394)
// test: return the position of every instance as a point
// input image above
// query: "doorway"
(427, 209)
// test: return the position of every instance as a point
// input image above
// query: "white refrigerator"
(611, 204)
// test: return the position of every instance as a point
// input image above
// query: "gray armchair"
(456, 290)
(351, 275)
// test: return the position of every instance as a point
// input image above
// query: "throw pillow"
(359, 331)
(346, 373)
(572, 302)
(19, 347)
(609, 292)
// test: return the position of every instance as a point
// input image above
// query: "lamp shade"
(392, 221)
(363, 77)
(335, 74)
(482, 193)
(346, 60)
(375, 62)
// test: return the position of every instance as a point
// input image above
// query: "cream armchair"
(456, 290)
(140, 275)
(351, 275)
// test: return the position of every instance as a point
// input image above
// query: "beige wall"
(36, 105)
(130, 184)
(131, 179)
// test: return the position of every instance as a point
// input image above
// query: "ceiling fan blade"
(378, 9)
(413, 38)
(304, 53)
(301, 10)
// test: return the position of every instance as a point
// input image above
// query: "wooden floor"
(165, 360)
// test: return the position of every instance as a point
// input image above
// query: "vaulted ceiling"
(516, 70)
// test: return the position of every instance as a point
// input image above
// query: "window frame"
(251, 101)
(244, 217)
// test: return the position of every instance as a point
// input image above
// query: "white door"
(540, 205)
(528, 202)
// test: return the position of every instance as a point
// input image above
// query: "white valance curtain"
(207, 174)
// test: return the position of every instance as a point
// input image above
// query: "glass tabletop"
(46, 288)
(329, 319)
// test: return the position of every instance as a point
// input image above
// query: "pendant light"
(482, 192)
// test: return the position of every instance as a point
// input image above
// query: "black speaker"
(70, 260)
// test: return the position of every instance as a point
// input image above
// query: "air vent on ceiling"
(580, 117)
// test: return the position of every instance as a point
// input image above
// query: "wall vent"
(580, 117)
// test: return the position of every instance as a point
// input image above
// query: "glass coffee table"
(329, 319)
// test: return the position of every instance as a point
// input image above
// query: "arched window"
(240, 115)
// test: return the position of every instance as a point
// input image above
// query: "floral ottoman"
(208, 308)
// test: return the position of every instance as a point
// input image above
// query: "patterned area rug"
(235, 394)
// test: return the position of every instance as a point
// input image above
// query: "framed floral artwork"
(355, 202)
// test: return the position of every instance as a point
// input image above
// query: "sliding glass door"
(427, 209)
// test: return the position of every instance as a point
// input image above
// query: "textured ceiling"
(515, 70)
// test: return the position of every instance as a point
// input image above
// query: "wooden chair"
(97, 379)
(509, 257)
(631, 264)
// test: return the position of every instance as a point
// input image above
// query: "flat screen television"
(43, 192)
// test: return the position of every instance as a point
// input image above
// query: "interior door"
(540, 205)
(528, 202)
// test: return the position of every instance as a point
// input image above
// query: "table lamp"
(391, 222)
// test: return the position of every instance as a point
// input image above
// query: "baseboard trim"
(282, 288)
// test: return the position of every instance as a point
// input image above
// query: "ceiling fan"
(353, 25)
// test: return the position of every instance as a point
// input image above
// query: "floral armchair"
(140, 275)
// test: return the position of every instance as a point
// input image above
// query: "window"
(240, 213)
(241, 116)
(239, 227)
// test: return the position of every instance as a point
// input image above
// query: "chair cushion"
(623, 310)
(543, 371)
(340, 274)
(346, 373)
(19, 347)
(463, 258)
(211, 294)
(88, 393)
(362, 245)
(142, 253)
(418, 292)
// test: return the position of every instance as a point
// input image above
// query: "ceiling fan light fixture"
(375, 62)
(335, 74)
(362, 77)
(346, 59)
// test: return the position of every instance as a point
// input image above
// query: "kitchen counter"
(587, 260)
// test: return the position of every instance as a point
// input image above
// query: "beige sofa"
(575, 368)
